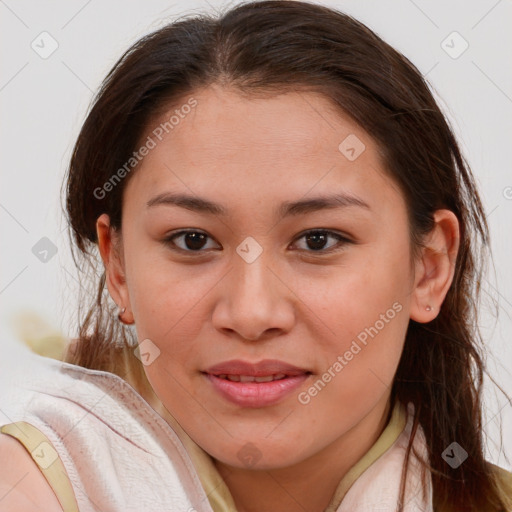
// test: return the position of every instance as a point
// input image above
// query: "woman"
(288, 372)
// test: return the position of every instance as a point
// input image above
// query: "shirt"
(101, 446)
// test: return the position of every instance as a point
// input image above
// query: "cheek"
(165, 296)
(364, 319)
(359, 360)
(368, 289)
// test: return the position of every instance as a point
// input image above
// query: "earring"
(428, 308)
(119, 316)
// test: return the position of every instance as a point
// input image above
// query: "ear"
(110, 247)
(435, 268)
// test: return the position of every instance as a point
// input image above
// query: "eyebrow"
(287, 208)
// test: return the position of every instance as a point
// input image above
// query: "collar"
(386, 451)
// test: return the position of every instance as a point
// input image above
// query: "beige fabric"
(216, 489)
(44, 455)
(378, 487)
(389, 436)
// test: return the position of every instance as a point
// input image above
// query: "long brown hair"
(270, 47)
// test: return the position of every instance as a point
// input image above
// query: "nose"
(255, 302)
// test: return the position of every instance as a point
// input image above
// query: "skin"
(22, 485)
(292, 303)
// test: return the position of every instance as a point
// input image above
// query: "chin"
(259, 455)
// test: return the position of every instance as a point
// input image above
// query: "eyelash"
(169, 241)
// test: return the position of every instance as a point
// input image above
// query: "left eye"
(317, 239)
(194, 241)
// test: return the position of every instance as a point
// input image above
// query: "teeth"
(250, 378)
(268, 378)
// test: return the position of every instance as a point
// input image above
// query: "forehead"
(238, 148)
(290, 125)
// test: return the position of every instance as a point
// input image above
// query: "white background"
(43, 103)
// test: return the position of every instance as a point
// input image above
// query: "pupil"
(194, 240)
(315, 237)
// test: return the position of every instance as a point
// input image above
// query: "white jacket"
(103, 447)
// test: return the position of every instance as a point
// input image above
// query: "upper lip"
(259, 369)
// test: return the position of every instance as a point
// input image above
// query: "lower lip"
(256, 394)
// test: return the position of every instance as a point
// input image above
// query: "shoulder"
(22, 485)
(504, 482)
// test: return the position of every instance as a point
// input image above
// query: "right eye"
(193, 241)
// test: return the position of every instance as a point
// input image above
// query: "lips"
(260, 369)
(255, 384)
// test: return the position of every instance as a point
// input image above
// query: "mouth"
(255, 384)
(251, 378)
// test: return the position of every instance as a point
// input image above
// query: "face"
(319, 295)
